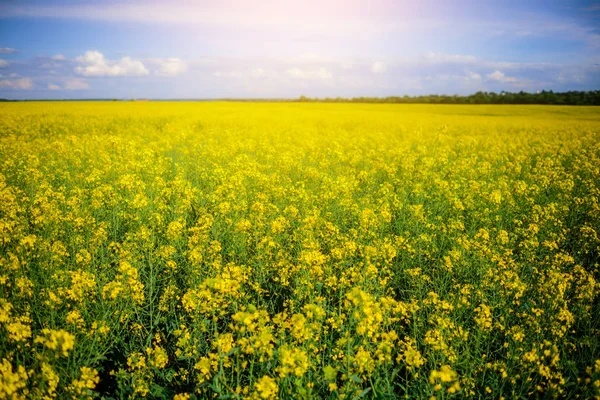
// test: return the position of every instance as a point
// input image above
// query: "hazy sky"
(212, 49)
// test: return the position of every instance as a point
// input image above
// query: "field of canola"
(284, 250)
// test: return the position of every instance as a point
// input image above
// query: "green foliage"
(572, 98)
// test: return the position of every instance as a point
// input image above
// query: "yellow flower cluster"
(126, 285)
(293, 362)
(13, 382)
(59, 341)
(82, 387)
(284, 250)
(445, 376)
(266, 388)
(484, 317)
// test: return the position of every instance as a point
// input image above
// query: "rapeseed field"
(285, 250)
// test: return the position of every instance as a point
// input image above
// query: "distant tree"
(544, 97)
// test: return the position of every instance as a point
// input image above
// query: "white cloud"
(258, 73)
(94, 64)
(3, 63)
(496, 76)
(59, 57)
(378, 67)
(473, 76)
(171, 67)
(52, 86)
(318, 73)
(7, 50)
(18, 84)
(500, 77)
(76, 84)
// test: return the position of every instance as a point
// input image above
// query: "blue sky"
(280, 48)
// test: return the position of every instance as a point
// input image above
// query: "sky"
(178, 49)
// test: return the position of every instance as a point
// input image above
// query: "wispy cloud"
(311, 17)
(309, 74)
(69, 84)
(593, 7)
(170, 67)
(76, 84)
(443, 58)
(3, 63)
(284, 15)
(17, 84)
(7, 50)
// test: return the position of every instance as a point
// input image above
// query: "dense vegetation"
(260, 250)
(573, 98)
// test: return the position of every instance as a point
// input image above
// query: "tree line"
(574, 98)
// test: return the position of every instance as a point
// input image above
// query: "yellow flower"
(59, 340)
(82, 285)
(443, 376)
(174, 230)
(12, 382)
(74, 318)
(136, 361)
(496, 196)
(157, 357)
(82, 387)
(51, 378)
(18, 331)
(363, 361)
(293, 361)
(266, 388)
(410, 354)
(483, 317)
